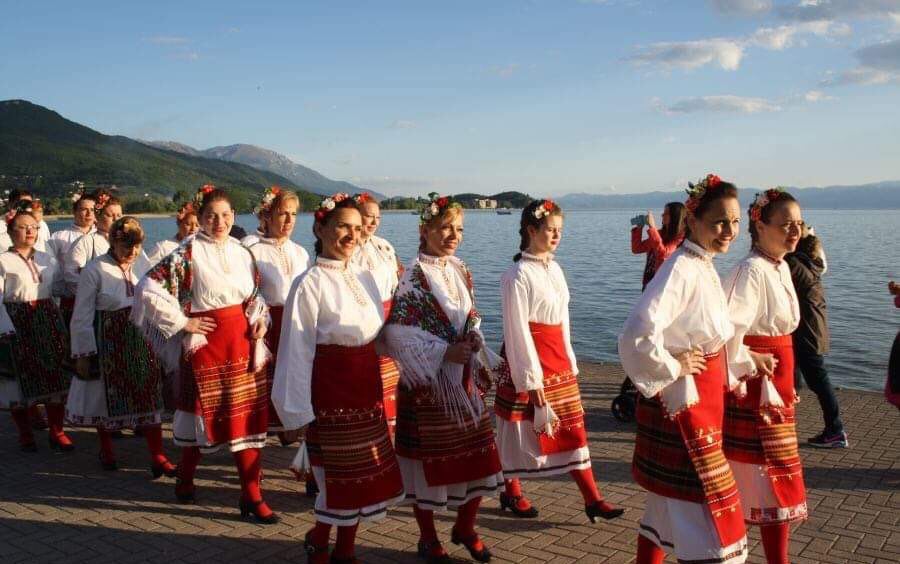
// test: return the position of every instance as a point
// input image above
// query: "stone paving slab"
(58, 507)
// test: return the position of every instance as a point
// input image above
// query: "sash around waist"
(221, 314)
(765, 341)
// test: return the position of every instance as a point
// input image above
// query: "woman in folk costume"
(279, 261)
(201, 310)
(61, 242)
(660, 243)
(540, 419)
(760, 426)
(187, 223)
(94, 244)
(33, 338)
(377, 256)
(445, 441)
(672, 350)
(327, 378)
(120, 382)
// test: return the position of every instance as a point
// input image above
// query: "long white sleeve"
(81, 252)
(81, 328)
(292, 388)
(162, 310)
(521, 354)
(641, 345)
(6, 324)
(744, 290)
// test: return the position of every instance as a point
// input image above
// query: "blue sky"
(544, 96)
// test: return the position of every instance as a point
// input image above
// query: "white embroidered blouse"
(82, 251)
(378, 256)
(533, 290)
(332, 303)
(25, 280)
(279, 264)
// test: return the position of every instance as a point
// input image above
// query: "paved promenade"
(65, 508)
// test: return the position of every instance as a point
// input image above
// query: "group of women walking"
(382, 369)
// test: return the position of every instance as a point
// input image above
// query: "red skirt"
(560, 390)
(349, 437)
(217, 383)
(273, 337)
(768, 437)
(450, 454)
(682, 458)
(390, 377)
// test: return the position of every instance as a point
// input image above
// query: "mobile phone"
(639, 220)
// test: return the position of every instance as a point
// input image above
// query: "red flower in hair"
(712, 180)
(362, 198)
(442, 202)
(207, 188)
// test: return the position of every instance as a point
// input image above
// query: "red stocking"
(465, 524)
(56, 412)
(427, 532)
(585, 481)
(648, 552)
(319, 534)
(513, 489)
(106, 447)
(20, 418)
(153, 435)
(775, 540)
(249, 467)
(187, 467)
(346, 538)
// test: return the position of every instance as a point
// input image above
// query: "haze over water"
(605, 278)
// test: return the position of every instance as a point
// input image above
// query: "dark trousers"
(812, 367)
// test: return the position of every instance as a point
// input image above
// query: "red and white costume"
(327, 377)
(760, 424)
(377, 256)
(538, 351)
(693, 509)
(279, 264)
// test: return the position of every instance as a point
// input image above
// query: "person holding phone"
(660, 243)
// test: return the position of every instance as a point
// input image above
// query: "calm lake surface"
(605, 278)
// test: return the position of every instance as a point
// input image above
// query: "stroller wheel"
(623, 408)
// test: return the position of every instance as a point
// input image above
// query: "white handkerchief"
(545, 420)
(300, 463)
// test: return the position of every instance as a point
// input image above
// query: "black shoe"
(109, 465)
(829, 440)
(28, 447)
(312, 488)
(594, 510)
(424, 551)
(184, 495)
(252, 508)
(512, 503)
(338, 560)
(483, 555)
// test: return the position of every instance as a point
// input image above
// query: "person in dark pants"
(811, 339)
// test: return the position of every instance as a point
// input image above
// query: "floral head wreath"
(102, 201)
(363, 198)
(185, 210)
(22, 206)
(327, 205)
(265, 203)
(203, 191)
(762, 200)
(546, 208)
(436, 207)
(696, 191)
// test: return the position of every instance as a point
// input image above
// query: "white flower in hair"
(328, 204)
(434, 209)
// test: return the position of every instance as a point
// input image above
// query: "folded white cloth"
(300, 463)
(546, 421)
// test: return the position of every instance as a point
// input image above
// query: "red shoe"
(512, 503)
(478, 554)
(166, 467)
(433, 552)
(61, 443)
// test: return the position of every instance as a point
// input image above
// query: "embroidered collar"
(534, 258)
(273, 241)
(696, 250)
(769, 258)
(333, 264)
(204, 237)
(434, 261)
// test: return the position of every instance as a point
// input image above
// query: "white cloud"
(727, 53)
(816, 10)
(719, 104)
(865, 76)
(878, 64)
(782, 37)
(742, 7)
(504, 71)
(167, 40)
(814, 96)
(403, 124)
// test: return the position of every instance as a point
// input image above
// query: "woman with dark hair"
(540, 419)
(377, 256)
(445, 442)
(187, 222)
(280, 261)
(760, 432)
(119, 381)
(672, 349)
(61, 242)
(201, 310)
(32, 333)
(108, 209)
(660, 243)
(327, 382)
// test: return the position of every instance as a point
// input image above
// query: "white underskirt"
(346, 517)
(521, 457)
(189, 430)
(86, 407)
(758, 498)
(439, 498)
(686, 529)
(11, 395)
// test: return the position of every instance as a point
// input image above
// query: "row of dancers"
(384, 369)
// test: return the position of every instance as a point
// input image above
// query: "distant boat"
(504, 212)
(414, 212)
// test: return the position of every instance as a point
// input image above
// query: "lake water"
(605, 278)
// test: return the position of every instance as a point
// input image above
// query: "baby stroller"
(624, 404)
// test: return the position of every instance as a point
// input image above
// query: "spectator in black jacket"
(811, 339)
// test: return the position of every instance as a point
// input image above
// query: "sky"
(548, 97)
